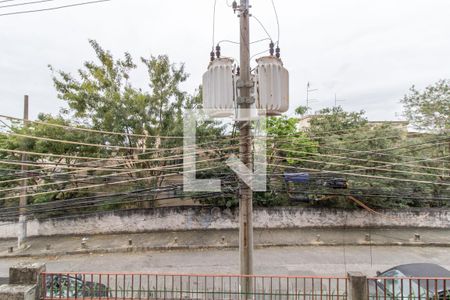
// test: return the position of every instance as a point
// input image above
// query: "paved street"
(307, 260)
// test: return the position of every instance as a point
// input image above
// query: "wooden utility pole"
(336, 100)
(246, 195)
(22, 234)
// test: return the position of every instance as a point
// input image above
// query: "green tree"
(368, 155)
(50, 160)
(103, 97)
(335, 120)
(429, 109)
(100, 96)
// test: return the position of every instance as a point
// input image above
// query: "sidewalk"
(217, 239)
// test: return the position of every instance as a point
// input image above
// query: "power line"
(236, 43)
(93, 130)
(214, 25)
(109, 202)
(104, 184)
(278, 21)
(164, 158)
(367, 160)
(56, 165)
(87, 199)
(75, 203)
(380, 151)
(130, 171)
(109, 147)
(131, 157)
(359, 166)
(61, 156)
(115, 159)
(26, 3)
(52, 8)
(263, 27)
(360, 175)
(124, 172)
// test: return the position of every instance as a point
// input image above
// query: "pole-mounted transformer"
(270, 84)
(219, 88)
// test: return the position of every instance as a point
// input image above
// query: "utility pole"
(22, 235)
(308, 91)
(246, 195)
(336, 100)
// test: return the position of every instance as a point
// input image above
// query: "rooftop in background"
(304, 123)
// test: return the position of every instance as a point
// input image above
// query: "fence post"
(357, 286)
(27, 276)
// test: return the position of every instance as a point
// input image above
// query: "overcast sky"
(367, 52)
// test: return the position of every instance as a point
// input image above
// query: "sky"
(367, 53)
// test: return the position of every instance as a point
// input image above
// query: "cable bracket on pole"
(245, 100)
(240, 84)
(244, 84)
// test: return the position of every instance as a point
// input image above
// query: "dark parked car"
(74, 286)
(336, 183)
(407, 282)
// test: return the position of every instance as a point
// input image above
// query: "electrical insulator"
(273, 86)
(235, 6)
(218, 51)
(271, 46)
(218, 88)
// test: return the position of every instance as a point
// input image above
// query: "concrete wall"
(172, 219)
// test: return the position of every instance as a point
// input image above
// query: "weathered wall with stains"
(195, 218)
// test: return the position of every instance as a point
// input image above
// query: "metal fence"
(174, 286)
(410, 288)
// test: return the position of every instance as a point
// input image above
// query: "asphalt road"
(307, 260)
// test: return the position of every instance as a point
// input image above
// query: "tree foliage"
(429, 109)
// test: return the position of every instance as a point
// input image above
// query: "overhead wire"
(164, 158)
(31, 153)
(345, 131)
(379, 152)
(262, 26)
(278, 21)
(109, 194)
(114, 159)
(90, 130)
(26, 3)
(102, 184)
(97, 213)
(360, 166)
(110, 147)
(109, 202)
(129, 171)
(237, 43)
(214, 25)
(325, 187)
(52, 8)
(401, 164)
(77, 203)
(359, 175)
